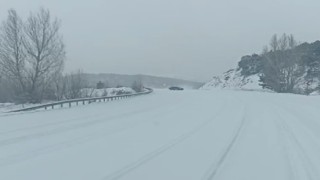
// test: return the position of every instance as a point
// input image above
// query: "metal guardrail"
(82, 101)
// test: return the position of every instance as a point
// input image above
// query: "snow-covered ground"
(167, 135)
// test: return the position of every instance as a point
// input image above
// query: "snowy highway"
(167, 135)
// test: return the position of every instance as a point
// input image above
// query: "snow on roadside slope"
(189, 135)
(233, 79)
(6, 107)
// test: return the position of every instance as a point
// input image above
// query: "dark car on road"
(176, 88)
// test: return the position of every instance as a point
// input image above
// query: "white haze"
(189, 39)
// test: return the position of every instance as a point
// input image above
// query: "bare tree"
(60, 83)
(76, 82)
(292, 42)
(274, 43)
(12, 52)
(6, 93)
(45, 51)
(281, 68)
(137, 86)
(31, 53)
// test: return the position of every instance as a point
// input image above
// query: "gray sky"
(189, 39)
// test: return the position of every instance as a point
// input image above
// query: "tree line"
(285, 66)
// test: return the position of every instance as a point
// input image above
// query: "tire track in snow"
(310, 132)
(288, 156)
(75, 141)
(150, 156)
(70, 120)
(59, 146)
(64, 129)
(292, 140)
(76, 119)
(127, 169)
(216, 166)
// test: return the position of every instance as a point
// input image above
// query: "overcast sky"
(189, 39)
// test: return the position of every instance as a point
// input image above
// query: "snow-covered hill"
(233, 79)
(300, 76)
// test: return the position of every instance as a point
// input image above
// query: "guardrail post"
(69, 104)
(62, 105)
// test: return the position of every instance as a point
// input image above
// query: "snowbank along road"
(185, 135)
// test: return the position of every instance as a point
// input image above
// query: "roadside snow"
(91, 92)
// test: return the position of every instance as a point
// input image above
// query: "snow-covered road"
(185, 135)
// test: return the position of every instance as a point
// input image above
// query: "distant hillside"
(113, 80)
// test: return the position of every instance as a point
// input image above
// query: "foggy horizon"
(191, 40)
